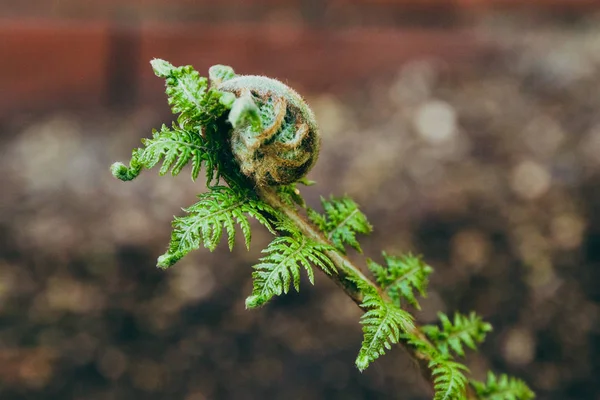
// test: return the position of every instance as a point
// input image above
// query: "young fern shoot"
(257, 139)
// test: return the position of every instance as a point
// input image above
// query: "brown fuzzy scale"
(267, 156)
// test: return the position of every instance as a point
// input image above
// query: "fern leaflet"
(383, 324)
(402, 276)
(341, 222)
(221, 208)
(466, 330)
(280, 268)
(176, 146)
(189, 95)
(449, 381)
(502, 388)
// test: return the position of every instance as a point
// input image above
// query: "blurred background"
(468, 130)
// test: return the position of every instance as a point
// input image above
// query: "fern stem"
(347, 269)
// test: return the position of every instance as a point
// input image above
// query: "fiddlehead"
(275, 138)
(261, 138)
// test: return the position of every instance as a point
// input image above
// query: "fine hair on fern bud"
(275, 138)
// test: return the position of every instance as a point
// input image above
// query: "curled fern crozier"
(275, 138)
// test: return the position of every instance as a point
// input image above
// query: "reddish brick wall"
(50, 64)
(96, 52)
(42, 61)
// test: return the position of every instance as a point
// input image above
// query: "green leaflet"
(280, 268)
(449, 379)
(402, 277)
(219, 209)
(448, 376)
(186, 90)
(341, 222)
(176, 146)
(466, 330)
(502, 388)
(383, 324)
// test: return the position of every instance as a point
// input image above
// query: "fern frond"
(189, 95)
(449, 380)
(383, 324)
(502, 388)
(465, 330)
(341, 222)
(280, 268)
(221, 208)
(128, 173)
(176, 146)
(199, 107)
(402, 277)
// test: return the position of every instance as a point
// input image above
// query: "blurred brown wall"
(70, 53)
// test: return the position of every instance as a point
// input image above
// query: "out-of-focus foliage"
(341, 222)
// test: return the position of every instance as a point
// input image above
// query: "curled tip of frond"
(274, 139)
(123, 172)
(453, 336)
(383, 325)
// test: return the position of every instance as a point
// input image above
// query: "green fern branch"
(449, 380)
(465, 330)
(280, 268)
(199, 109)
(176, 146)
(402, 277)
(383, 324)
(502, 388)
(341, 222)
(189, 95)
(219, 209)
